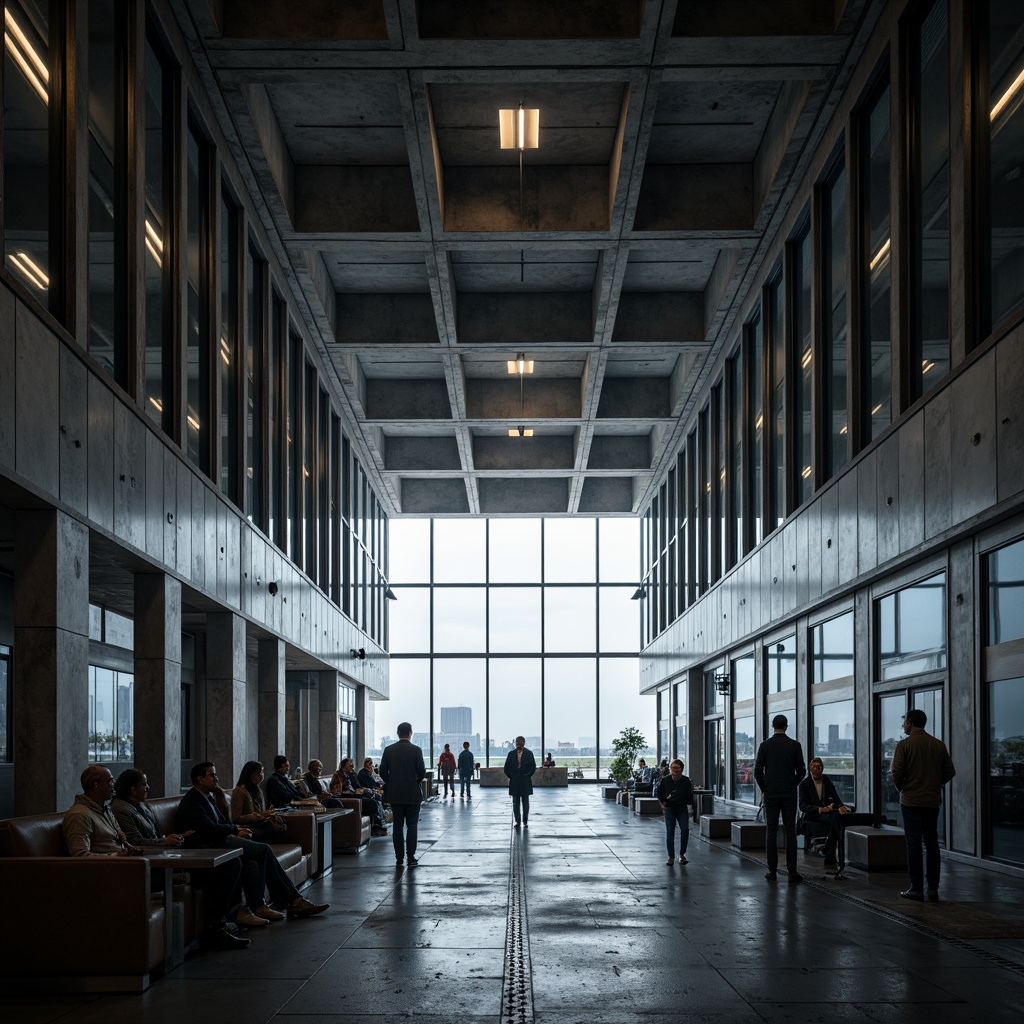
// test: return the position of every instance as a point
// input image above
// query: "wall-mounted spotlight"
(389, 595)
(640, 593)
(359, 655)
(273, 587)
(723, 682)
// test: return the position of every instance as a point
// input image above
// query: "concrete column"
(158, 681)
(51, 659)
(225, 695)
(270, 711)
(329, 750)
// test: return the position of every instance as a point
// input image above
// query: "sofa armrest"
(108, 924)
(301, 830)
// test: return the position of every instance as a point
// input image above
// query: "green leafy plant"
(626, 746)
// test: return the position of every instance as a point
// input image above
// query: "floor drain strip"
(517, 988)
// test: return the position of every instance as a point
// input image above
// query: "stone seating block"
(622, 797)
(716, 826)
(749, 835)
(876, 849)
(646, 805)
(609, 792)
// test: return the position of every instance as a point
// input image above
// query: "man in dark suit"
(778, 770)
(519, 767)
(819, 801)
(403, 770)
(260, 868)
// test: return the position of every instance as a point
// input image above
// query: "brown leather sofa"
(351, 834)
(86, 924)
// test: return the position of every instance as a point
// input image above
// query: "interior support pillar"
(158, 681)
(51, 664)
(270, 722)
(225, 695)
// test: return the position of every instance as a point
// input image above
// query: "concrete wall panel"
(887, 498)
(973, 435)
(37, 370)
(938, 484)
(1010, 417)
(7, 377)
(847, 528)
(170, 517)
(812, 514)
(101, 454)
(867, 536)
(74, 432)
(182, 519)
(829, 503)
(129, 477)
(911, 483)
(155, 518)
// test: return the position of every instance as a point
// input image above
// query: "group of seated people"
(646, 777)
(111, 818)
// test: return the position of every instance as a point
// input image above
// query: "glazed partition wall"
(508, 627)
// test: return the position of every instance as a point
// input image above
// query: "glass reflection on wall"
(743, 753)
(106, 191)
(26, 145)
(781, 664)
(833, 741)
(876, 273)
(832, 649)
(1006, 594)
(1005, 781)
(930, 198)
(1004, 118)
(912, 629)
(891, 711)
(743, 678)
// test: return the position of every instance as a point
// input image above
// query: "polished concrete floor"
(610, 935)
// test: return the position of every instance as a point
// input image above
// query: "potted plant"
(626, 746)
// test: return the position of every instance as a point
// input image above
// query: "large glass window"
(834, 244)
(875, 268)
(755, 428)
(930, 199)
(410, 621)
(892, 710)
(780, 656)
(570, 713)
(1003, 117)
(159, 253)
(1005, 776)
(410, 551)
(107, 158)
(737, 545)
(409, 682)
(460, 553)
(1006, 594)
(803, 354)
(777, 411)
(743, 678)
(622, 707)
(460, 619)
(26, 145)
(111, 715)
(618, 550)
(254, 383)
(514, 621)
(833, 732)
(617, 620)
(514, 550)
(197, 282)
(912, 629)
(744, 751)
(460, 704)
(227, 355)
(569, 550)
(832, 649)
(569, 619)
(515, 708)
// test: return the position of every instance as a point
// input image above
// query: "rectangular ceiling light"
(519, 128)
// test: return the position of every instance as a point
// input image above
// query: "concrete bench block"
(716, 826)
(622, 797)
(876, 849)
(646, 805)
(609, 792)
(749, 835)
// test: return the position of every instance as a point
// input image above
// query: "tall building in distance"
(457, 721)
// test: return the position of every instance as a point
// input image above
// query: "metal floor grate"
(517, 987)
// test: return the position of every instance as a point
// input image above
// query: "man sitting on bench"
(820, 803)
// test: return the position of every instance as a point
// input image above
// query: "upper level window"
(777, 398)
(28, 92)
(835, 349)
(781, 664)
(227, 353)
(832, 649)
(929, 193)
(912, 629)
(875, 266)
(1003, 129)
(254, 389)
(1006, 594)
(197, 285)
(754, 342)
(803, 356)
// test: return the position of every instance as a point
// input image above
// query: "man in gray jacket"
(778, 770)
(921, 766)
(403, 770)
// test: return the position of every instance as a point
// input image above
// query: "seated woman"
(345, 783)
(248, 806)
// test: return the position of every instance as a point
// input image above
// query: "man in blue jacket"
(467, 765)
(778, 770)
(260, 868)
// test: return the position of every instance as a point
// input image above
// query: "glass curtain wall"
(509, 627)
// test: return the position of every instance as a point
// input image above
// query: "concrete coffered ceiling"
(672, 132)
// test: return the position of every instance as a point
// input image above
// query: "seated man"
(368, 777)
(548, 762)
(90, 828)
(317, 786)
(345, 783)
(260, 870)
(819, 802)
(281, 791)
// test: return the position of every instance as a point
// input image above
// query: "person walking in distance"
(403, 770)
(675, 794)
(446, 769)
(778, 770)
(467, 765)
(519, 767)
(921, 766)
